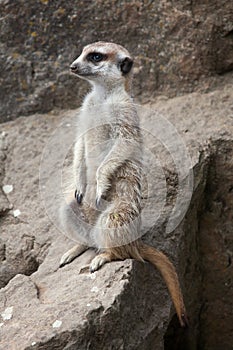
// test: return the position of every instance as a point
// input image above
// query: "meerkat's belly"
(97, 146)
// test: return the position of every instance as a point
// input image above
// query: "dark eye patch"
(96, 57)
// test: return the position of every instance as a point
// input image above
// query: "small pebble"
(94, 289)
(7, 189)
(7, 313)
(16, 213)
(93, 275)
(57, 324)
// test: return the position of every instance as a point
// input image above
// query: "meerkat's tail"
(166, 268)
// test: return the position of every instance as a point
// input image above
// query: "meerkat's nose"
(73, 67)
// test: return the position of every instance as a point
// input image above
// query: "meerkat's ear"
(126, 65)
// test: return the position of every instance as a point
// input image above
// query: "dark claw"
(99, 202)
(78, 197)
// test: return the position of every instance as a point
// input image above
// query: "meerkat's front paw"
(100, 190)
(102, 185)
(100, 195)
(100, 201)
(78, 196)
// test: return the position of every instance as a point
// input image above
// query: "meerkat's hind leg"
(72, 253)
(100, 260)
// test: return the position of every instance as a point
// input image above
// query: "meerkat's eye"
(95, 57)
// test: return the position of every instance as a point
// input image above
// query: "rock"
(4, 204)
(189, 45)
(216, 249)
(124, 305)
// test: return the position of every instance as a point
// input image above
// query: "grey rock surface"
(179, 47)
(124, 305)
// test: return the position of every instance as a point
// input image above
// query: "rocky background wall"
(183, 69)
(179, 47)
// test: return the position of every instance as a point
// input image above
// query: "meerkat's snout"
(73, 68)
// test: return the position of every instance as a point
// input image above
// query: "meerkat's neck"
(104, 91)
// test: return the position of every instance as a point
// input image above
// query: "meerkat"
(107, 169)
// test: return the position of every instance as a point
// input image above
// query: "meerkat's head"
(104, 63)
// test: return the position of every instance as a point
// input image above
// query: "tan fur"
(112, 177)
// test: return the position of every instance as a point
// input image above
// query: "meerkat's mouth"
(82, 74)
(76, 70)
